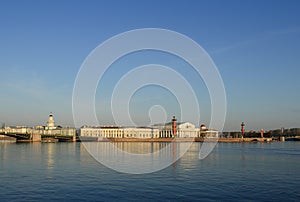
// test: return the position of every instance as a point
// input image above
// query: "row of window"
(143, 134)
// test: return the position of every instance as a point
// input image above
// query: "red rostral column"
(243, 129)
(174, 126)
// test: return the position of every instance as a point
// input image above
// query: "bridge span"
(36, 137)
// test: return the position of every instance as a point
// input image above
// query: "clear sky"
(254, 44)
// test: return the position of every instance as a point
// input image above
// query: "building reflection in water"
(50, 156)
(137, 157)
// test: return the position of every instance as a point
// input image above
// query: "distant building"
(50, 129)
(168, 130)
(16, 129)
(208, 133)
(102, 132)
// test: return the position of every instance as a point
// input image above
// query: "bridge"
(36, 137)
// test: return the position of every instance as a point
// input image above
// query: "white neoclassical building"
(118, 132)
(168, 130)
(102, 132)
(183, 130)
(207, 133)
(187, 129)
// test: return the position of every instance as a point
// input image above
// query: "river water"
(232, 172)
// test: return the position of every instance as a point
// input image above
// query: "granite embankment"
(229, 140)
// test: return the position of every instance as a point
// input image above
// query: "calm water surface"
(232, 172)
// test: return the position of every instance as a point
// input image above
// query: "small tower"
(243, 129)
(174, 126)
(50, 122)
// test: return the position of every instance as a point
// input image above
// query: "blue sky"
(254, 44)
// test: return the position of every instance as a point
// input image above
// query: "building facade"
(52, 130)
(207, 133)
(141, 132)
(168, 130)
(183, 130)
(102, 132)
(118, 132)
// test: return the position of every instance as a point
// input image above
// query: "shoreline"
(6, 139)
(223, 140)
